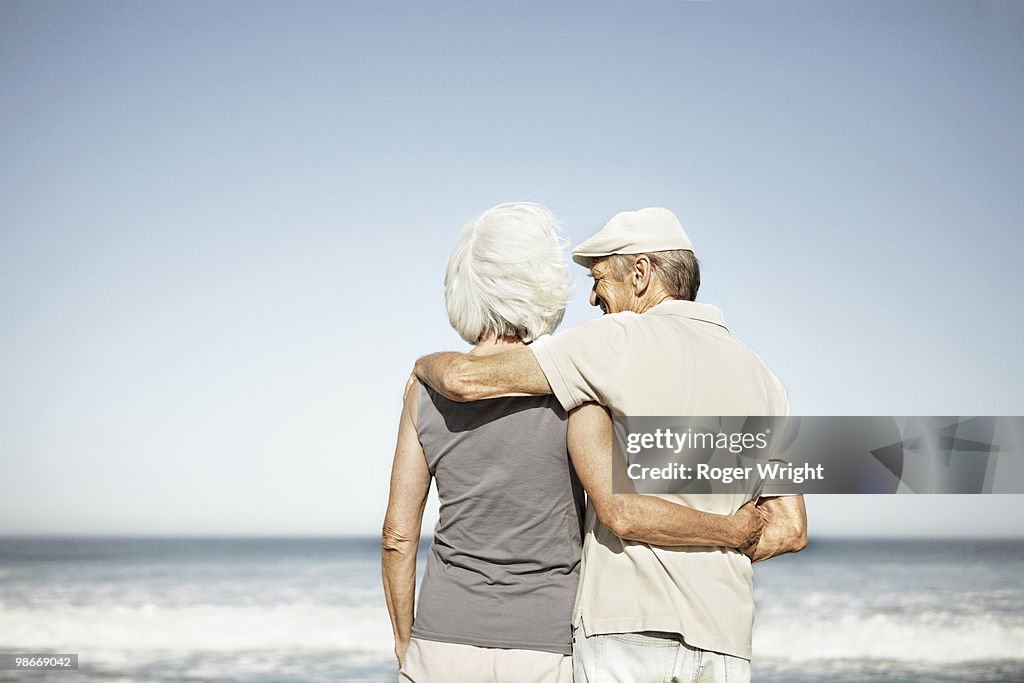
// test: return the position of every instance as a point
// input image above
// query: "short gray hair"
(678, 270)
(508, 274)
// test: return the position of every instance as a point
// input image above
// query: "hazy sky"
(223, 227)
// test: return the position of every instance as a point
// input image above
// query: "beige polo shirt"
(678, 358)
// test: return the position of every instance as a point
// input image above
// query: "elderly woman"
(497, 596)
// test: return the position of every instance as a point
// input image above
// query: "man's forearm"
(465, 377)
(439, 371)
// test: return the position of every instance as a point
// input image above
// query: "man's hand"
(749, 523)
(785, 527)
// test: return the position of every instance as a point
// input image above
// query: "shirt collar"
(691, 309)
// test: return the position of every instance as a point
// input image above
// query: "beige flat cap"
(634, 232)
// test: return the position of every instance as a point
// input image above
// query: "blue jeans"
(651, 657)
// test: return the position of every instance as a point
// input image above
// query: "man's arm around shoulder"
(465, 377)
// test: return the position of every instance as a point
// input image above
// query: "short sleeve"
(780, 488)
(584, 362)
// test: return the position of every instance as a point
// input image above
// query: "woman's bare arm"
(410, 483)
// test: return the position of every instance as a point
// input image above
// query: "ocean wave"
(112, 633)
(930, 637)
(108, 632)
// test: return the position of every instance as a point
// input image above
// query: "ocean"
(283, 610)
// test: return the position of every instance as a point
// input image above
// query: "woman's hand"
(401, 647)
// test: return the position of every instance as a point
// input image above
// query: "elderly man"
(644, 612)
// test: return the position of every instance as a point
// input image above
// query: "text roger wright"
(769, 471)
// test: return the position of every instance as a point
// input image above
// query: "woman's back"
(503, 567)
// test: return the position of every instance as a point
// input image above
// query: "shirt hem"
(496, 644)
(668, 624)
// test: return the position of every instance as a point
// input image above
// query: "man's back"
(678, 358)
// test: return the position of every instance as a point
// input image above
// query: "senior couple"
(521, 584)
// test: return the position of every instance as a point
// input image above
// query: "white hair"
(508, 274)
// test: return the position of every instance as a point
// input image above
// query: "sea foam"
(928, 637)
(112, 629)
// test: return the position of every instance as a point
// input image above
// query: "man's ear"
(640, 276)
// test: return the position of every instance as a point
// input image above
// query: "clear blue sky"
(223, 226)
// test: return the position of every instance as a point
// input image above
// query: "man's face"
(610, 294)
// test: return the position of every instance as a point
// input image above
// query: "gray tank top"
(503, 567)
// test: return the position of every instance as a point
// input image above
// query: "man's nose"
(593, 296)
